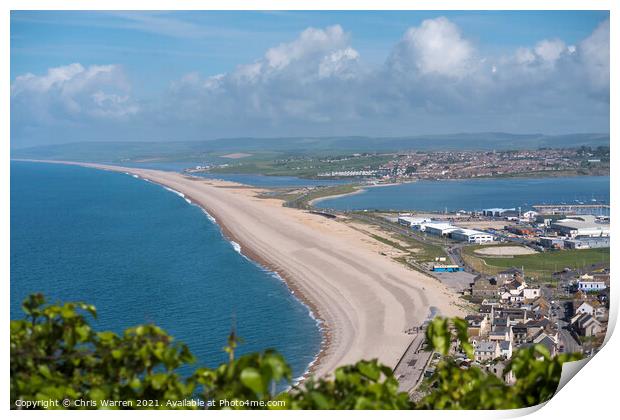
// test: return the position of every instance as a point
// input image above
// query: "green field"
(421, 251)
(541, 265)
(300, 198)
(306, 166)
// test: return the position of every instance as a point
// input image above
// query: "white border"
(593, 391)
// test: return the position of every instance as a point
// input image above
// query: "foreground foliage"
(55, 355)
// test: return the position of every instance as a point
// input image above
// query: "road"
(410, 369)
(566, 338)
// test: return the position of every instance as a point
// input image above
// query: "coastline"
(362, 301)
(358, 190)
(263, 264)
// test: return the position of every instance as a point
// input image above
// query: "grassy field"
(301, 200)
(300, 166)
(419, 250)
(541, 265)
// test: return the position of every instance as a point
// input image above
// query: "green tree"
(537, 374)
(55, 354)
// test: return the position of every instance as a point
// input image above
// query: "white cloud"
(311, 42)
(340, 63)
(293, 81)
(435, 47)
(594, 56)
(434, 80)
(433, 72)
(550, 50)
(72, 91)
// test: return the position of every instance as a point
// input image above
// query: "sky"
(173, 76)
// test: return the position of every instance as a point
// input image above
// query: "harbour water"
(477, 194)
(144, 255)
(254, 180)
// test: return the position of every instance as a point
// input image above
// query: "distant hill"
(119, 151)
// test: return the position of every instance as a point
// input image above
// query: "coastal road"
(410, 369)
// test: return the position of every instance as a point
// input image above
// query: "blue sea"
(142, 254)
(476, 194)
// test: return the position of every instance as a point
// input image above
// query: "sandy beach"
(365, 300)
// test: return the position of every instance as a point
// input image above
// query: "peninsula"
(365, 301)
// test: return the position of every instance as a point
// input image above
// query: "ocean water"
(476, 194)
(142, 254)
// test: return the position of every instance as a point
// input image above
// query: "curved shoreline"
(365, 301)
(358, 190)
(263, 265)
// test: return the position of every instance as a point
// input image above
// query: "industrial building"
(456, 233)
(587, 243)
(577, 226)
(551, 242)
(471, 236)
(412, 221)
(439, 229)
(497, 212)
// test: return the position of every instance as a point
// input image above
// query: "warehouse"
(587, 243)
(412, 221)
(471, 236)
(551, 242)
(577, 226)
(440, 229)
(496, 212)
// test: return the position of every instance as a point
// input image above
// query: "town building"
(483, 287)
(590, 283)
(586, 325)
(583, 225)
(587, 243)
(410, 221)
(471, 236)
(486, 350)
(439, 229)
(497, 212)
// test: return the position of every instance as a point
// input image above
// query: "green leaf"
(251, 378)
(158, 380)
(370, 370)
(45, 371)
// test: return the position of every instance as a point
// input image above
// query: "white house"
(590, 284)
(593, 308)
(531, 293)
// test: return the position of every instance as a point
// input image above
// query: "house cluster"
(590, 313)
(514, 315)
(470, 164)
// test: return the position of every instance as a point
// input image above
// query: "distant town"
(413, 165)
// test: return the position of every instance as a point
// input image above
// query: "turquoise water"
(476, 194)
(142, 254)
